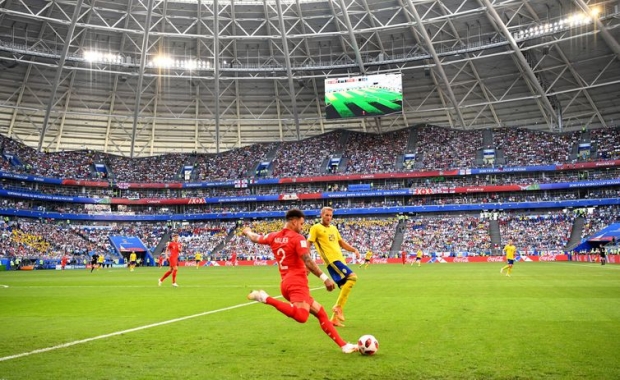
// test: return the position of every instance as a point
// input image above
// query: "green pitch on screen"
(370, 101)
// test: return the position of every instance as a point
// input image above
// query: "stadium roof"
(144, 77)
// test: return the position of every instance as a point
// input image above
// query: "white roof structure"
(146, 77)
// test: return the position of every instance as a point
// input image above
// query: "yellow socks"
(345, 290)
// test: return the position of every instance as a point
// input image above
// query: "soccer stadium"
(202, 189)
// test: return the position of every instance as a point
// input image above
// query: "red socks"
(165, 276)
(301, 316)
(291, 311)
(329, 328)
(174, 276)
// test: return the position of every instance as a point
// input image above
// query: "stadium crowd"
(599, 218)
(537, 232)
(367, 153)
(526, 147)
(436, 149)
(304, 158)
(442, 148)
(447, 235)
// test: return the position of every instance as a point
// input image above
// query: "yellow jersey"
(198, 256)
(419, 254)
(326, 241)
(510, 251)
(368, 255)
(132, 257)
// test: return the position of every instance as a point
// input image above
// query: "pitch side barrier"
(611, 259)
(351, 193)
(410, 259)
(315, 213)
(328, 178)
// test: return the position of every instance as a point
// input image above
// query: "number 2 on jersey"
(280, 255)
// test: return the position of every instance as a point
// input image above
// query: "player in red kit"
(172, 252)
(403, 256)
(233, 259)
(291, 251)
(63, 261)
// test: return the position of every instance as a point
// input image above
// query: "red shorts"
(295, 289)
(173, 262)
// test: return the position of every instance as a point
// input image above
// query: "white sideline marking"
(582, 264)
(76, 342)
(4, 286)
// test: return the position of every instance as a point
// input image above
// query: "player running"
(367, 259)
(328, 243)
(418, 257)
(510, 250)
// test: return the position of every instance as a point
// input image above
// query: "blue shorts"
(339, 272)
(510, 261)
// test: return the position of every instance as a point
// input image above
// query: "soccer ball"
(368, 345)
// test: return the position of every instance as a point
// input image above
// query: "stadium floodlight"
(93, 56)
(573, 21)
(166, 62)
(162, 62)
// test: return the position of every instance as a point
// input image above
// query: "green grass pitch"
(439, 321)
(362, 102)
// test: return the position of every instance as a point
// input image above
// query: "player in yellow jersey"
(367, 259)
(198, 258)
(133, 258)
(100, 261)
(418, 257)
(328, 243)
(510, 250)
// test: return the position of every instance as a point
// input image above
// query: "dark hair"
(294, 213)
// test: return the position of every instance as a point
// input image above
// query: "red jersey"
(288, 246)
(63, 261)
(174, 247)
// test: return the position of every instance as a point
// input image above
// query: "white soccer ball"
(368, 345)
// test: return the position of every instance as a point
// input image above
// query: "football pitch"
(439, 321)
(362, 102)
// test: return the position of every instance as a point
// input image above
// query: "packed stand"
(304, 158)
(523, 147)
(44, 164)
(204, 237)
(440, 148)
(40, 239)
(376, 235)
(607, 143)
(370, 153)
(447, 235)
(601, 217)
(164, 168)
(536, 233)
(231, 165)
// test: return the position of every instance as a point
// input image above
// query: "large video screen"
(372, 95)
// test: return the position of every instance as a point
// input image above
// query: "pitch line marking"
(4, 286)
(139, 328)
(582, 264)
